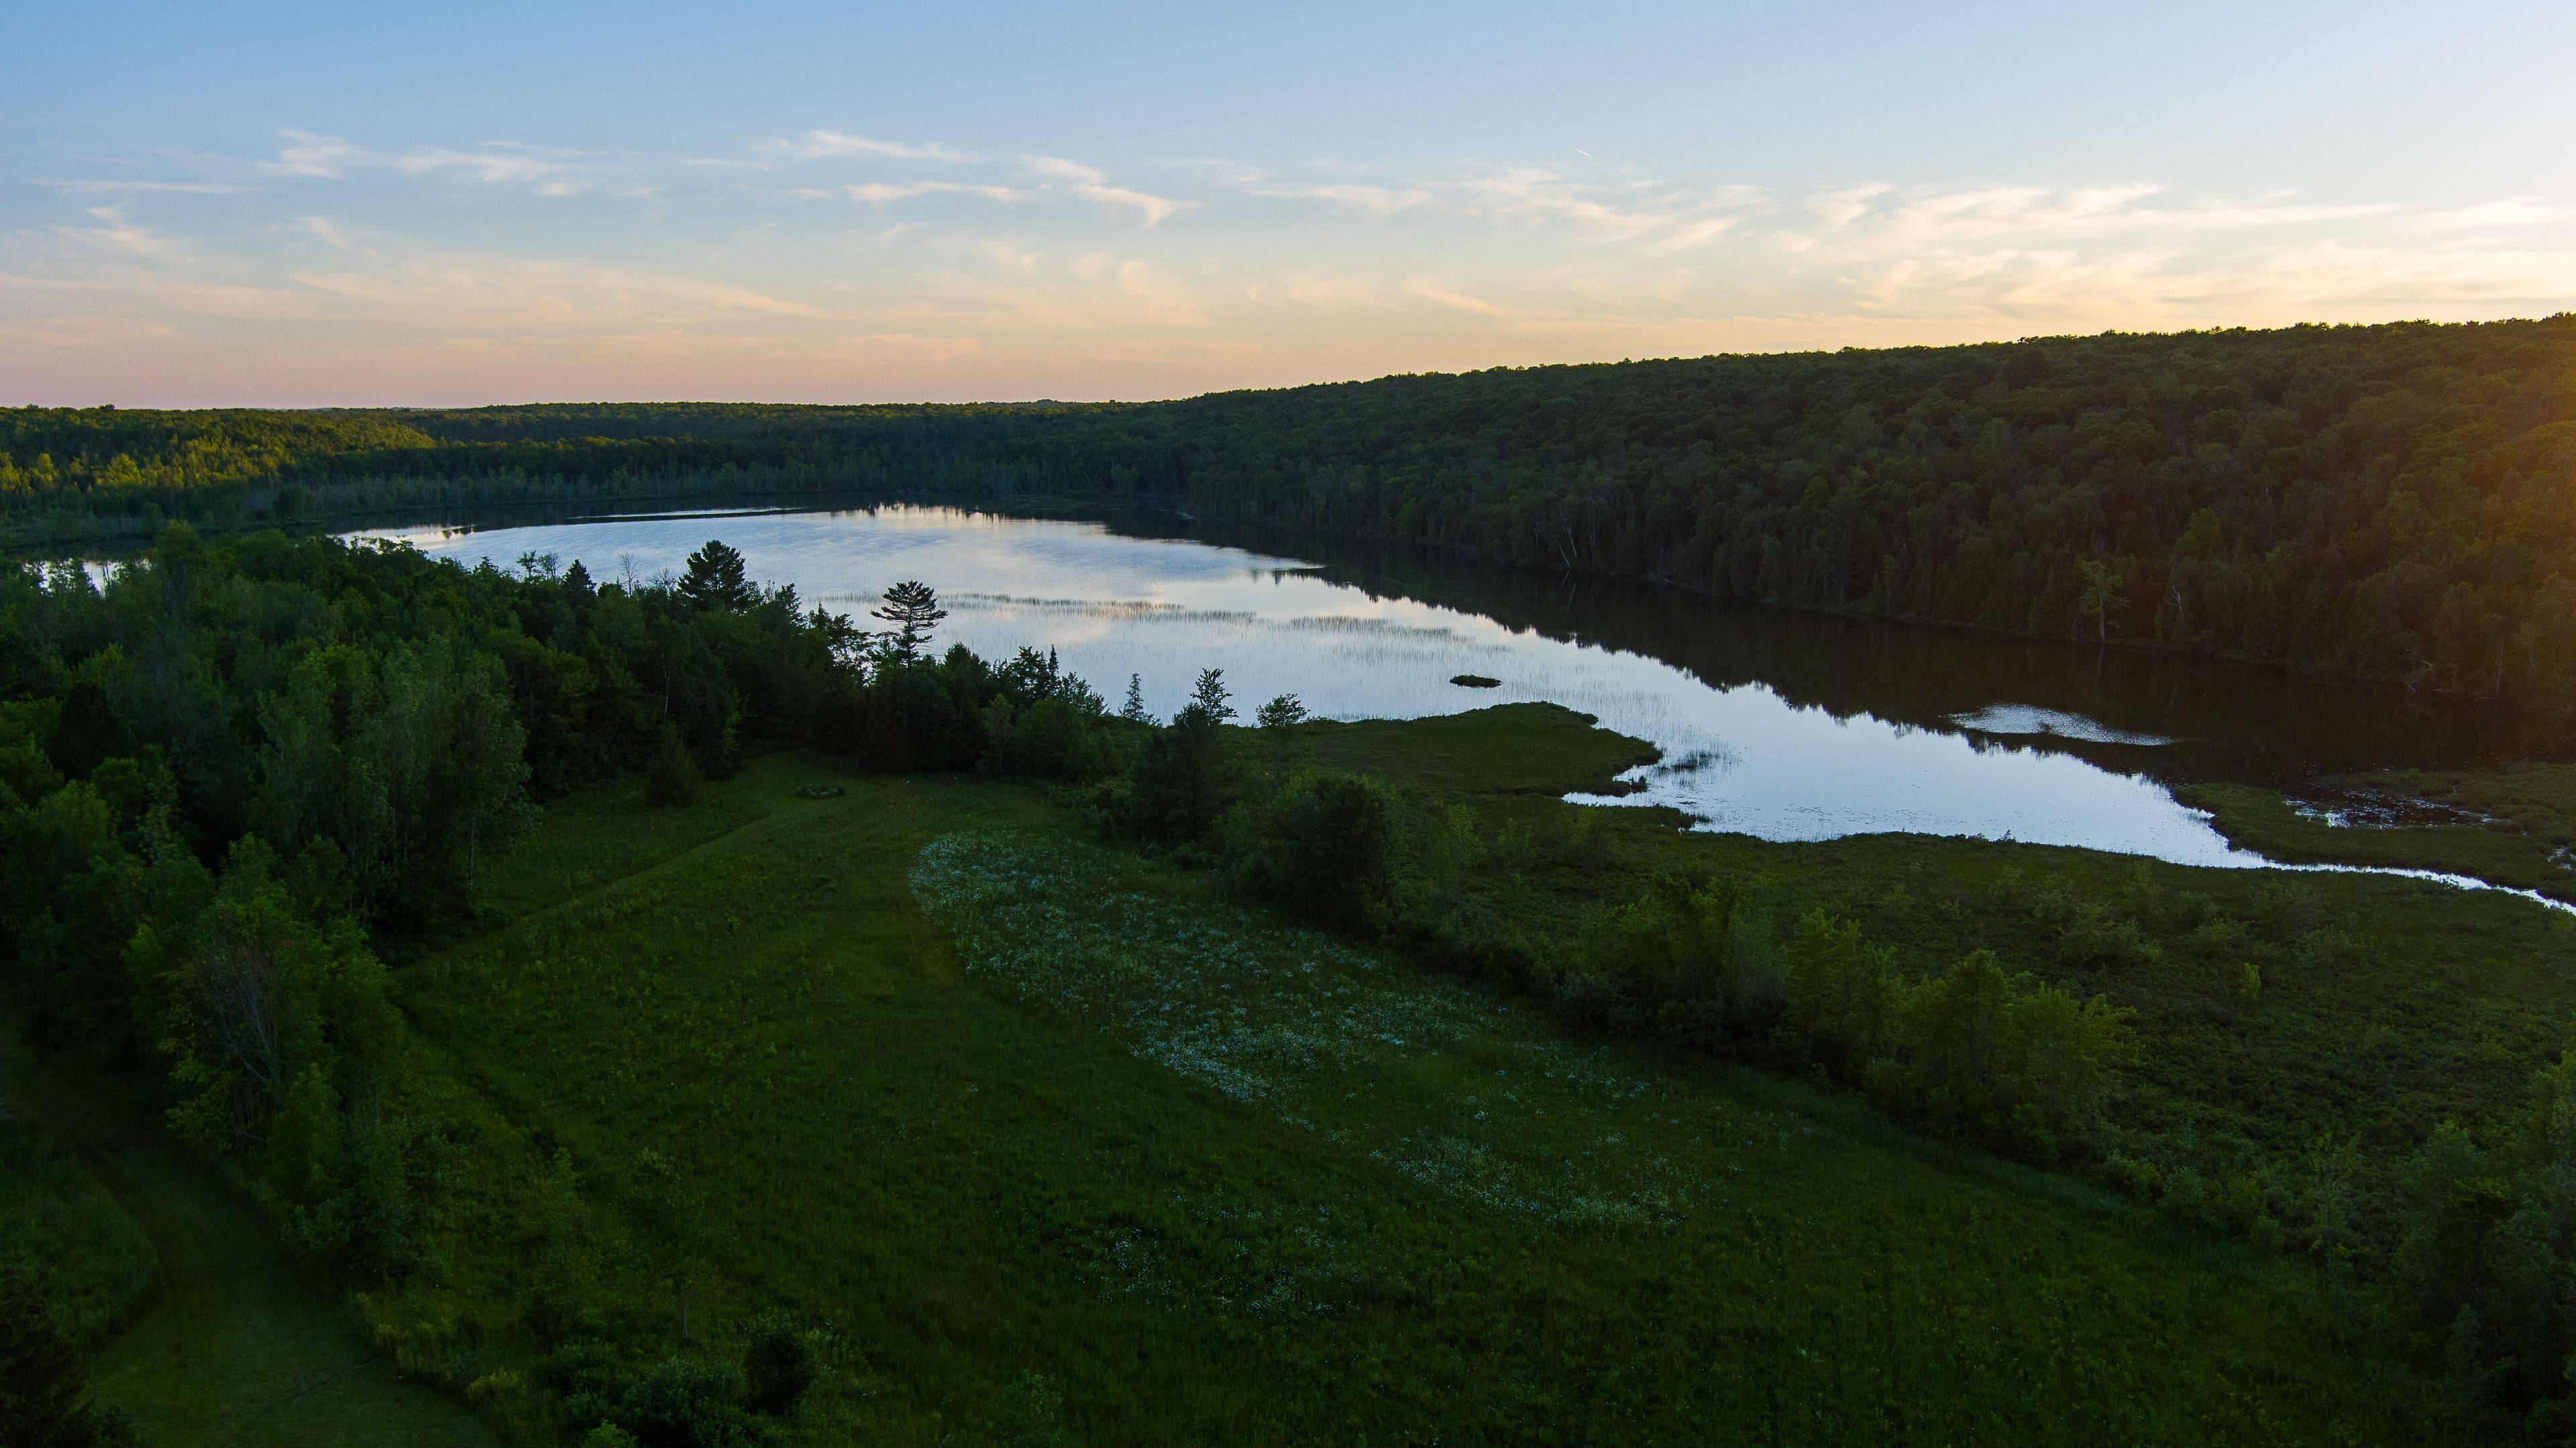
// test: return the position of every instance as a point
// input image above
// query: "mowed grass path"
(236, 1346)
(1018, 1205)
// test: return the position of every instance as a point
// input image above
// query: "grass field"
(1053, 1139)
(1048, 1141)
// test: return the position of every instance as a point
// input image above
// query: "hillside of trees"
(2394, 503)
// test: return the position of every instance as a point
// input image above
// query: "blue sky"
(309, 205)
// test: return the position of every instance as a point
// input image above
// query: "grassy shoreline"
(2511, 826)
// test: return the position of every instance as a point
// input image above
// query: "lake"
(1777, 724)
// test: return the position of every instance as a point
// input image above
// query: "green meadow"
(1037, 1137)
(1046, 1139)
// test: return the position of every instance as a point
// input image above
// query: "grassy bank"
(2513, 826)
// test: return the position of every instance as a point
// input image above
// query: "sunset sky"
(308, 205)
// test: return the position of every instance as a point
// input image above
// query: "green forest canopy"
(2391, 502)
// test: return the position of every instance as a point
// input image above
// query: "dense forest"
(2391, 502)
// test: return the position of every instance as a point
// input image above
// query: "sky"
(356, 204)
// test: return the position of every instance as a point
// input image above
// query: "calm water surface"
(1778, 725)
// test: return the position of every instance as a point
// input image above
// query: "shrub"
(43, 1382)
(777, 1367)
(684, 1403)
(1324, 846)
(672, 778)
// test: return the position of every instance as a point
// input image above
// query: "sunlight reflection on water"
(1740, 758)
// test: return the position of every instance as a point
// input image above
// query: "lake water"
(1780, 725)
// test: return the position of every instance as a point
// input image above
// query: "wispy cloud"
(545, 171)
(1150, 208)
(883, 191)
(1429, 290)
(332, 234)
(114, 232)
(809, 259)
(2505, 215)
(815, 145)
(1376, 200)
(1057, 168)
(189, 188)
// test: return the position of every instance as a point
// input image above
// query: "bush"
(673, 778)
(43, 1382)
(1324, 846)
(1677, 954)
(777, 1367)
(1178, 786)
(684, 1403)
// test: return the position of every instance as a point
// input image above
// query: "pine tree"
(715, 579)
(1210, 696)
(914, 610)
(1135, 713)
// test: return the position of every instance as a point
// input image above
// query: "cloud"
(1430, 290)
(1529, 195)
(546, 172)
(306, 154)
(1690, 234)
(2512, 211)
(192, 188)
(332, 234)
(114, 233)
(1507, 263)
(883, 191)
(1057, 168)
(1056, 175)
(1376, 200)
(1841, 207)
(1151, 208)
(816, 145)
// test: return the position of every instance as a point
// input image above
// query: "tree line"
(2383, 502)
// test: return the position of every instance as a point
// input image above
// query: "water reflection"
(1779, 725)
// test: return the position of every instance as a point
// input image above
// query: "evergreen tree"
(1210, 697)
(715, 579)
(1134, 712)
(914, 611)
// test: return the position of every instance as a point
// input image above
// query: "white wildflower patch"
(1243, 1006)
(1457, 1090)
